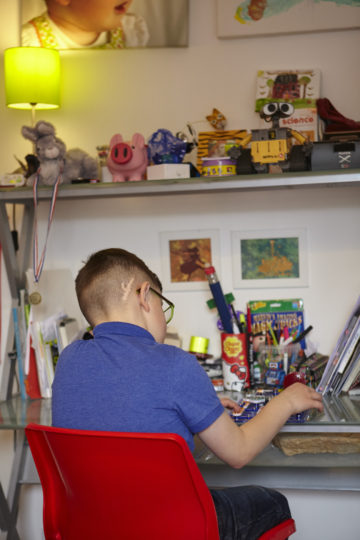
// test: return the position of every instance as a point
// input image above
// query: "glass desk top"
(16, 413)
(341, 414)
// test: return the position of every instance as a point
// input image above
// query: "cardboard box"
(304, 120)
(168, 171)
(299, 87)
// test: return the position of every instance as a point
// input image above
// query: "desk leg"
(5, 517)
(17, 473)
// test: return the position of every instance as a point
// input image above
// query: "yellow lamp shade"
(32, 78)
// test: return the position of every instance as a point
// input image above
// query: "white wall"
(105, 92)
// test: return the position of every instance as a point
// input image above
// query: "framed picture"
(184, 255)
(236, 18)
(140, 23)
(270, 258)
(213, 143)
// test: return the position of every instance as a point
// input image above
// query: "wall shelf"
(189, 185)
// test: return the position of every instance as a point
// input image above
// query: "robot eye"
(286, 109)
(269, 109)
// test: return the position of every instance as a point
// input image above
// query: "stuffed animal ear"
(116, 139)
(44, 128)
(29, 133)
(138, 140)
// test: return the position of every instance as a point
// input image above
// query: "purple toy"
(127, 161)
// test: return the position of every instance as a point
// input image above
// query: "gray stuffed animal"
(55, 160)
(78, 164)
(50, 151)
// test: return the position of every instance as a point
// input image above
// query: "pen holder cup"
(234, 361)
(272, 363)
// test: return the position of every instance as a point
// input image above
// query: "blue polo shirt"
(123, 380)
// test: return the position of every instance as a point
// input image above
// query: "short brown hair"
(98, 282)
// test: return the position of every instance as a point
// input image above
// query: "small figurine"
(127, 161)
(164, 147)
(271, 150)
(217, 119)
(50, 151)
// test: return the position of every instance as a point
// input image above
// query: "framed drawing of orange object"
(184, 255)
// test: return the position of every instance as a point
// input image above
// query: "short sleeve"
(196, 398)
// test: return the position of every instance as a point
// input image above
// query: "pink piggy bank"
(127, 160)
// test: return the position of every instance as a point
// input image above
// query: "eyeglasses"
(168, 309)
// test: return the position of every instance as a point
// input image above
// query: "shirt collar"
(121, 328)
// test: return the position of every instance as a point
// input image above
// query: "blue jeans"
(246, 512)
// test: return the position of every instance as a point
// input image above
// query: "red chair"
(131, 486)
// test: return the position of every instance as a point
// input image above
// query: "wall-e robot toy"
(272, 150)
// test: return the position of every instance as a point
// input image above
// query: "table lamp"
(32, 78)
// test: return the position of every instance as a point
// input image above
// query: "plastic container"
(273, 363)
(234, 362)
(218, 166)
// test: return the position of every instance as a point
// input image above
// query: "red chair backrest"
(106, 485)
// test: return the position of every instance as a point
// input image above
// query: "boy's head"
(115, 285)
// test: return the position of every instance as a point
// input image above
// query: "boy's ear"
(144, 295)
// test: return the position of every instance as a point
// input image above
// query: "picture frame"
(183, 257)
(217, 138)
(246, 18)
(158, 23)
(270, 258)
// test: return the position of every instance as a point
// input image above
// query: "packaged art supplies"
(273, 363)
(284, 317)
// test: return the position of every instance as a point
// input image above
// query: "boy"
(73, 24)
(126, 379)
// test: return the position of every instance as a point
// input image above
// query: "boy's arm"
(237, 446)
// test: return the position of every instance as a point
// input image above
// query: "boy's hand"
(238, 445)
(230, 404)
(300, 397)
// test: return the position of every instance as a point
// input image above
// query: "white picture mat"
(240, 283)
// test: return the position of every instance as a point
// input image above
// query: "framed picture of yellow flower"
(270, 258)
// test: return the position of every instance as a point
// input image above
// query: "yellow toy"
(271, 150)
